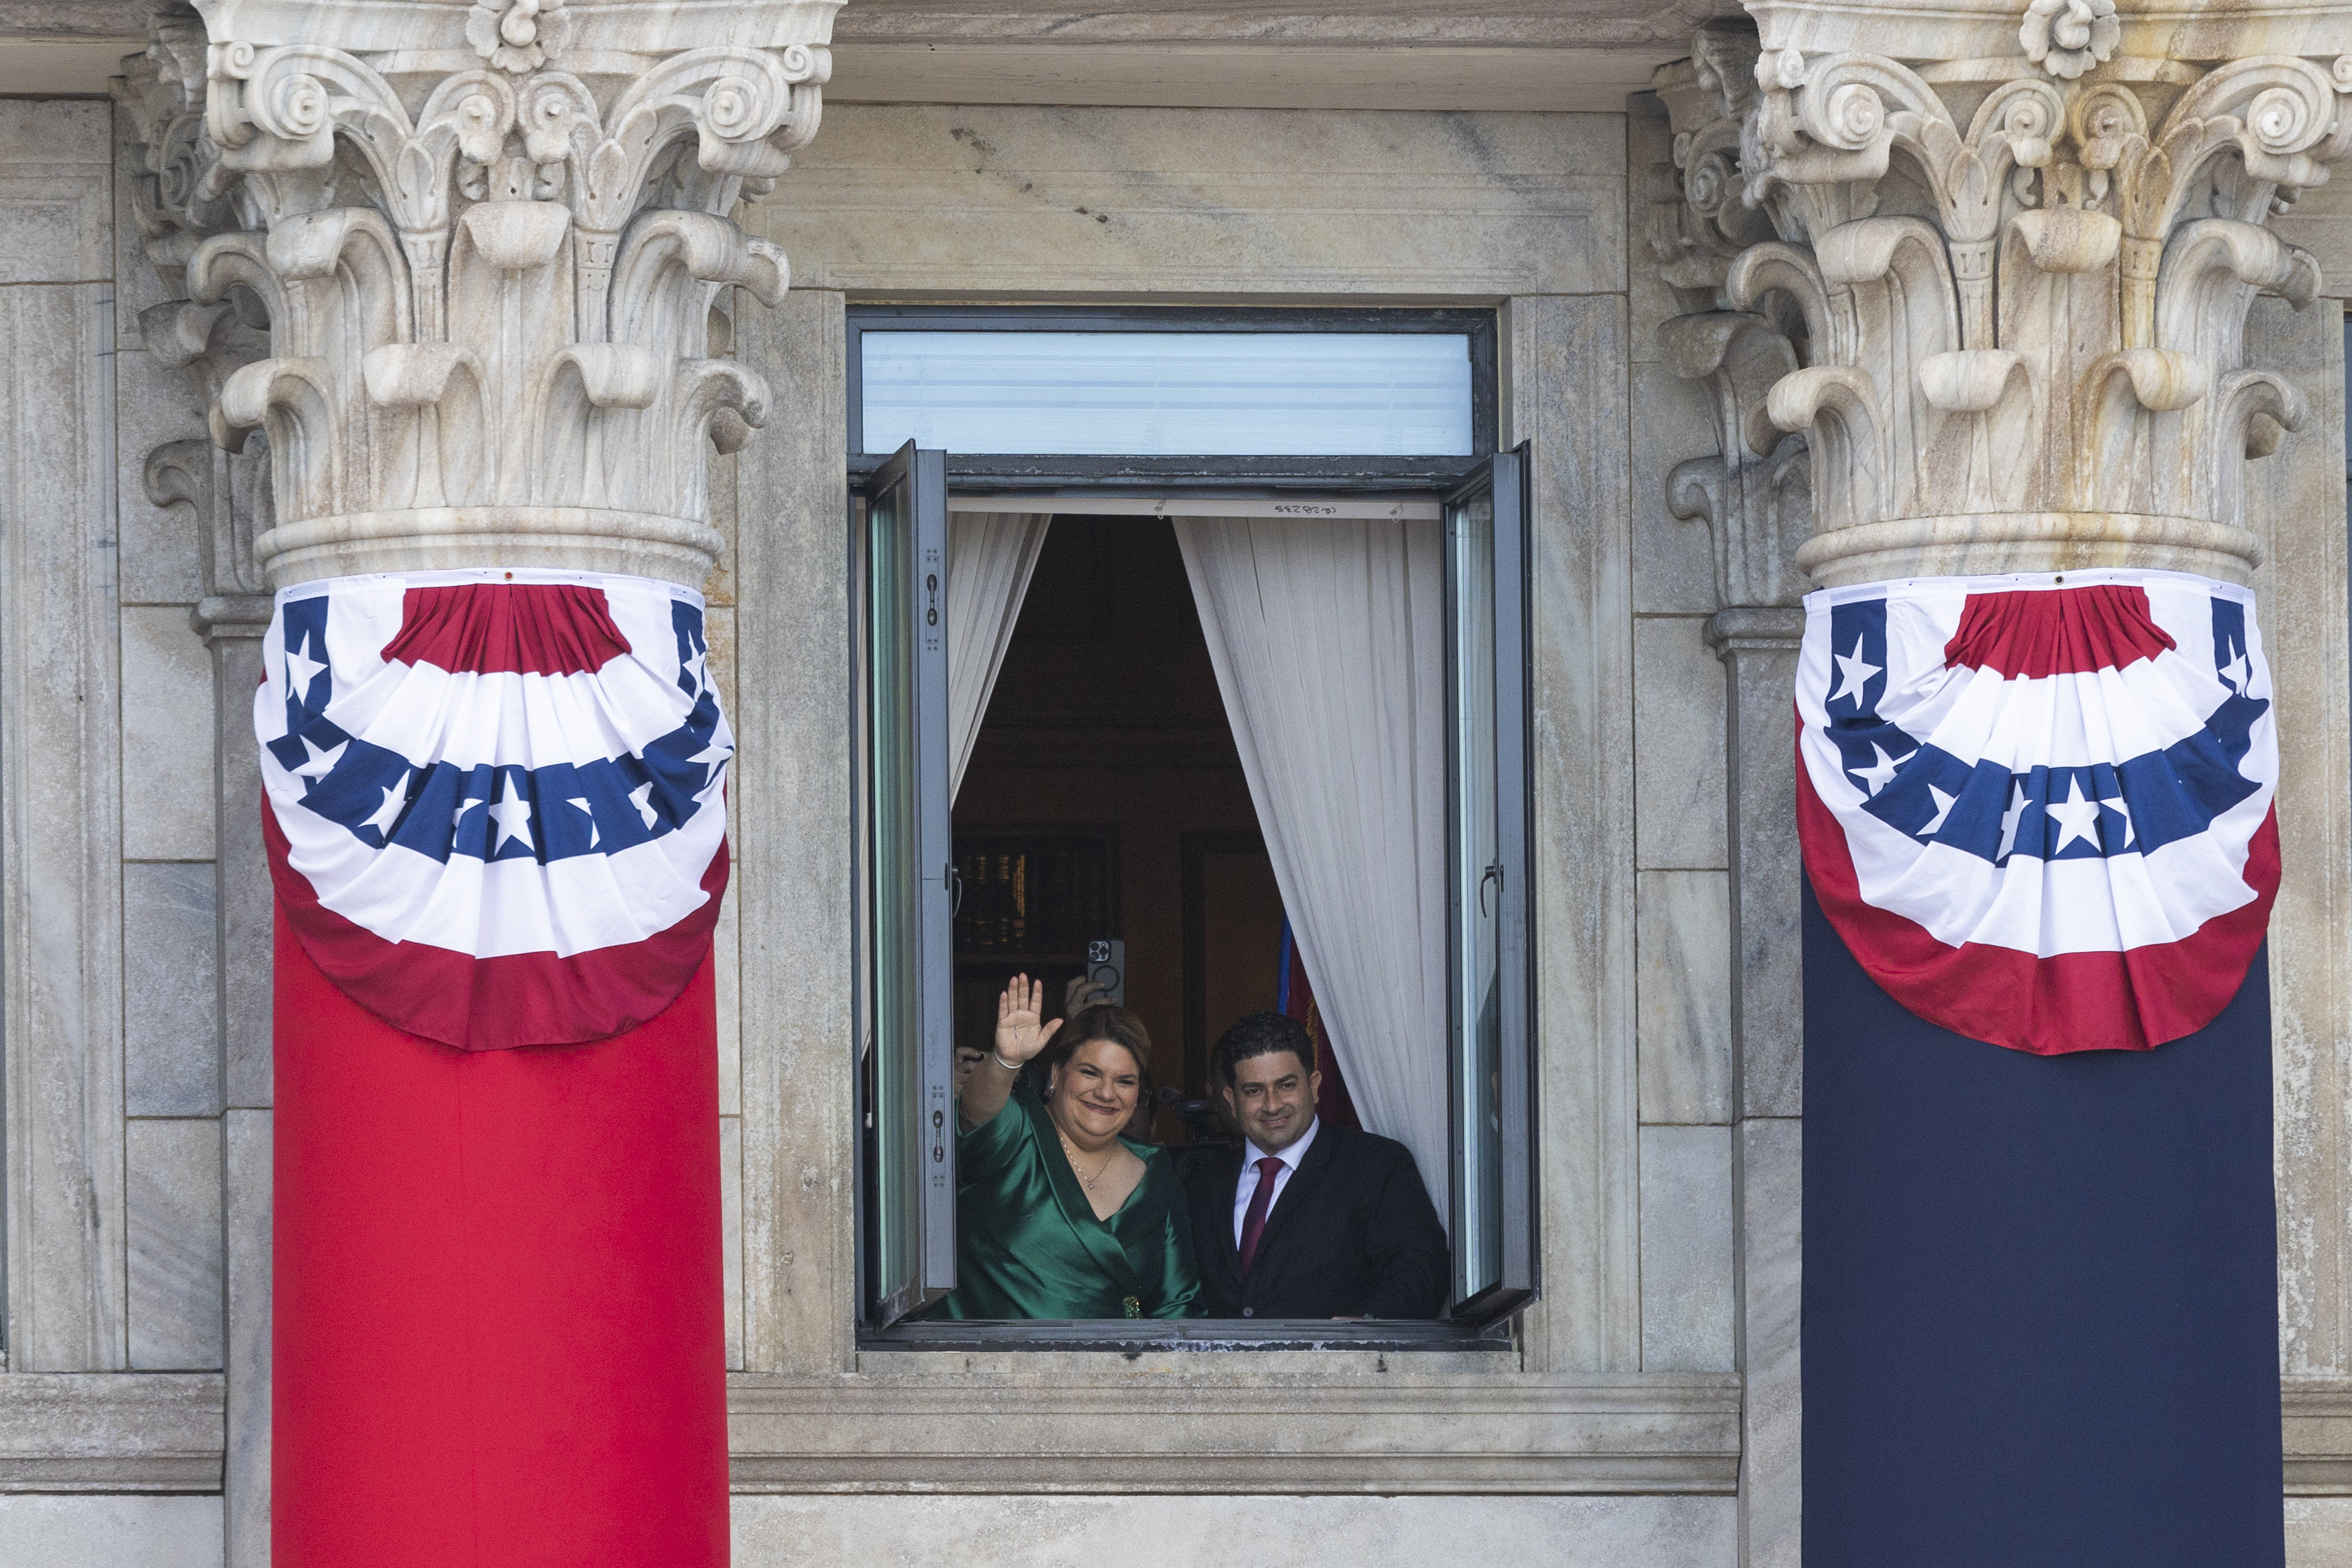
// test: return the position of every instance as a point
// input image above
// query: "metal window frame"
(1012, 474)
(1508, 480)
(922, 475)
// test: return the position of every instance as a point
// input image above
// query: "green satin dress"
(1028, 1244)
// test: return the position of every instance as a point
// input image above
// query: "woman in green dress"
(1057, 1215)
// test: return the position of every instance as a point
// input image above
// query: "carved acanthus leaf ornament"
(491, 249)
(2013, 298)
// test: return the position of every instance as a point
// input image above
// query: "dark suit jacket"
(1351, 1234)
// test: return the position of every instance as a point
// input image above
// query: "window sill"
(1130, 1337)
(1199, 1421)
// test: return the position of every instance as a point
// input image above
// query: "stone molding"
(1160, 1430)
(111, 1432)
(1755, 629)
(2318, 1413)
(150, 1432)
(1995, 269)
(492, 253)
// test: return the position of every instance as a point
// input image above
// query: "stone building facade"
(1798, 295)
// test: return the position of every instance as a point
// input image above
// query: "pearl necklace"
(1070, 1153)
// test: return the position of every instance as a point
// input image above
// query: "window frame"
(1070, 478)
(1011, 474)
(916, 476)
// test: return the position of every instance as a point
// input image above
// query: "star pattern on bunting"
(2121, 808)
(301, 669)
(512, 813)
(321, 762)
(2236, 672)
(1879, 775)
(2077, 817)
(387, 816)
(1944, 804)
(1855, 673)
(2009, 820)
(711, 758)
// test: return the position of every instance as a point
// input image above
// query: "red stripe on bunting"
(2132, 1000)
(497, 1004)
(498, 1329)
(530, 627)
(2057, 632)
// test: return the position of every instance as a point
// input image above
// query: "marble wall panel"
(1566, 395)
(1261, 1532)
(171, 1030)
(1686, 1250)
(790, 797)
(731, 1232)
(158, 544)
(247, 903)
(1769, 1175)
(168, 800)
(57, 192)
(727, 971)
(1233, 66)
(137, 284)
(1673, 558)
(2318, 1531)
(1678, 724)
(1683, 933)
(912, 200)
(2294, 501)
(46, 1532)
(174, 1200)
(249, 1148)
(60, 822)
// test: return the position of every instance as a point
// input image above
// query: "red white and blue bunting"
(2039, 809)
(496, 801)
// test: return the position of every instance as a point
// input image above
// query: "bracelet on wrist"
(1008, 1066)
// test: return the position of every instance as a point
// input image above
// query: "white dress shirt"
(1246, 1189)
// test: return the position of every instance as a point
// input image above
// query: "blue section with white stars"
(2089, 813)
(488, 812)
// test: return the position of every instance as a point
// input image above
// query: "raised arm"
(1019, 1037)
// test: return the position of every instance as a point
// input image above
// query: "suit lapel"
(1293, 1193)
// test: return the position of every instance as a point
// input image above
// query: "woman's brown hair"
(1101, 1021)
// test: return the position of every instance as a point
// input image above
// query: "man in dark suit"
(1306, 1220)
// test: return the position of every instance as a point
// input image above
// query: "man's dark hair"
(1262, 1034)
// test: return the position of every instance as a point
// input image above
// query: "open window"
(1491, 1039)
(907, 1161)
(1119, 796)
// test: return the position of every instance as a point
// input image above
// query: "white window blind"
(1273, 394)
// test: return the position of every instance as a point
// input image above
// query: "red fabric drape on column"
(498, 1338)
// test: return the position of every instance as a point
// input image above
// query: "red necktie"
(1254, 1222)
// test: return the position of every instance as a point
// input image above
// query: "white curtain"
(1329, 642)
(990, 558)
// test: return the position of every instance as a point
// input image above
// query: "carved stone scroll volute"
(489, 245)
(2013, 268)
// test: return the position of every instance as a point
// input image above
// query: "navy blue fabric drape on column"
(2041, 1294)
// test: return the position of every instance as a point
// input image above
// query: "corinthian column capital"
(488, 244)
(2011, 247)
